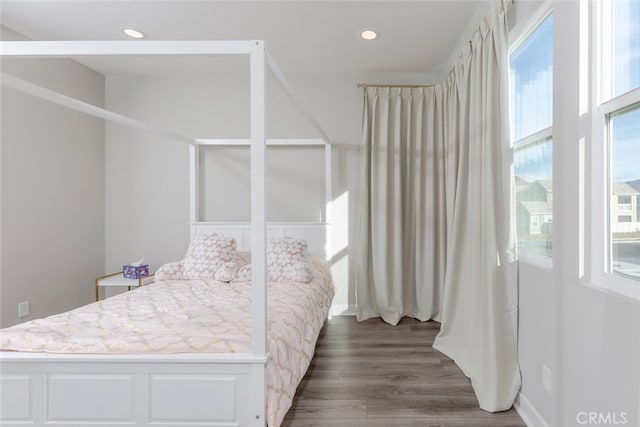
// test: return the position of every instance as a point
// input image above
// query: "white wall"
(294, 185)
(589, 338)
(52, 191)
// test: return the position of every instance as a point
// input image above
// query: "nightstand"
(117, 280)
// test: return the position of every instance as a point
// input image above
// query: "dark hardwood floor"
(373, 374)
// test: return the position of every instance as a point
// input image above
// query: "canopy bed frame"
(167, 389)
(317, 234)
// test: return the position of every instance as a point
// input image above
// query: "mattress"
(195, 316)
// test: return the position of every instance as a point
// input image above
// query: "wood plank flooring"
(373, 374)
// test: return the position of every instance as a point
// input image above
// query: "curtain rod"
(386, 85)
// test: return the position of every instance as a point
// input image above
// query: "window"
(624, 202)
(535, 225)
(531, 102)
(624, 180)
(616, 143)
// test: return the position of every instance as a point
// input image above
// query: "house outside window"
(535, 225)
(531, 102)
(624, 181)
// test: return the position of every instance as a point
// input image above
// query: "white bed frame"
(170, 390)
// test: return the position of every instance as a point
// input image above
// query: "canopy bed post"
(194, 166)
(258, 216)
(328, 199)
(258, 227)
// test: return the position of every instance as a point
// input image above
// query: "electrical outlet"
(546, 378)
(23, 309)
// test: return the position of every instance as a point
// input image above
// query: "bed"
(176, 388)
(178, 315)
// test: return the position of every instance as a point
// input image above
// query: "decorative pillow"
(286, 260)
(170, 271)
(207, 254)
(227, 272)
(244, 274)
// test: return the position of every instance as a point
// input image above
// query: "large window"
(617, 143)
(531, 102)
(624, 180)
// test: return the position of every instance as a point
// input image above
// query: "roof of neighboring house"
(635, 184)
(538, 207)
(623, 188)
(521, 184)
(546, 183)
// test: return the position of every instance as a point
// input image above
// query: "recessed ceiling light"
(368, 35)
(134, 34)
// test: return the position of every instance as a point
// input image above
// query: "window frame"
(517, 36)
(603, 106)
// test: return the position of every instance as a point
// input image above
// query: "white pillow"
(210, 256)
(286, 262)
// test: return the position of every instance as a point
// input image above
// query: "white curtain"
(437, 230)
(403, 272)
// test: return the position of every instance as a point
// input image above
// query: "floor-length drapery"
(402, 273)
(437, 214)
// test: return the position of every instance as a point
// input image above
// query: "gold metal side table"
(118, 280)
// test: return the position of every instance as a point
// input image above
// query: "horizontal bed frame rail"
(84, 107)
(241, 358)
(295, 142)
(73, 49)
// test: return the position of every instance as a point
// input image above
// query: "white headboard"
(314, 233)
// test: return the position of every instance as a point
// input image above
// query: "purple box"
(135, 271)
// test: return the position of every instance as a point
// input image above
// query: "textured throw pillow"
(244, 274)
(207, 254)
(286, 260)
(170, 271)
(227, 272)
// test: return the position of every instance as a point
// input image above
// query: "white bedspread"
(194, 316)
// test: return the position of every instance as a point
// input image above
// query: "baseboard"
(528, 413)
(342, 310)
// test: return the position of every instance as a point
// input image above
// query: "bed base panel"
(132, 390)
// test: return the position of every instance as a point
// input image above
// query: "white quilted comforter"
(195, 316)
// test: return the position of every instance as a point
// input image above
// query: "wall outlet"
(546, 378)
(23, 309)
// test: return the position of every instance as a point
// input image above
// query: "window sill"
(616, 286)
(536, 260)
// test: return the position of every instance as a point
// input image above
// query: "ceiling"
(416, 38)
